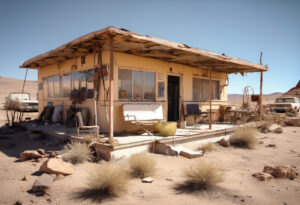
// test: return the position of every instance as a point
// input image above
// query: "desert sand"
(237, 164)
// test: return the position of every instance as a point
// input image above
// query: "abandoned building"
(107, 69)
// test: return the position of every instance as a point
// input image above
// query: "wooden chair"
(80, 125)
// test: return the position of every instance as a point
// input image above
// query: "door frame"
(179, 75)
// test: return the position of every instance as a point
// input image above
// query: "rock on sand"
(57, 166)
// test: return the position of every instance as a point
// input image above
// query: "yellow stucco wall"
(127, 61)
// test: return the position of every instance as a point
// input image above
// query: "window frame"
(205, 100)
(61, 96)
(132, 85)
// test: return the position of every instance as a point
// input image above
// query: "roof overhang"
(146, 46)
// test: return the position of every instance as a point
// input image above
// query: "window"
(148, 85)
(201, 89)
(56, 86)
(125, 84)
(136, 85)
(50, 87)
(75, 81)
(66, 83)
(83, 81)
(90, 83)
(45, 87)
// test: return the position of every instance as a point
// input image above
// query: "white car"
(284, 104)
(24, 102)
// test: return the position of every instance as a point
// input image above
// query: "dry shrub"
(202, 175)
(76, 152)
(265, 126)
(108, 178)
(88, 138)
(244, 137)
(142, 165)
(207, 147)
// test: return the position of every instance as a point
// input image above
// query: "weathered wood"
(260, 94)
(111, 92)
(210, 91)
(146, 46)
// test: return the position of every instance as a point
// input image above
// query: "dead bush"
(244, 137)
(76, 152)
(108, 178)
(207, 147)
(265, 126)
(142, 165)
(202, 175)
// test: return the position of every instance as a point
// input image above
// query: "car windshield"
(285, 100)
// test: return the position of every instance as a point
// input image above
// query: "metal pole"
(210, 90)
(111, 91)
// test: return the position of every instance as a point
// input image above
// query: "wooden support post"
(210, 91)
(260, 97)
(260, 94)
(111, 91)
(24, 82)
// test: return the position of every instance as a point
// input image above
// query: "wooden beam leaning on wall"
(210, 91)
(111, 90)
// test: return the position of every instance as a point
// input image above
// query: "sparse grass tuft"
(207, 147)
(244, 137)
(76, 152)
(142, 165)
(202, 175)
(108, 179)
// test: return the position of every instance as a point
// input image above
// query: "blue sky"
(238, 28)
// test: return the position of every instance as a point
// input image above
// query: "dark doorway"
(173, 98)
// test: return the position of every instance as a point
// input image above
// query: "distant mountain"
(237, 99)
(295, 91)
(9, 84)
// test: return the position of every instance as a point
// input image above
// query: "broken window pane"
(125, 84)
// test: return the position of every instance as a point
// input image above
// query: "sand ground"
(238, 187)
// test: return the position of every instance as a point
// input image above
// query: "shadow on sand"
(189, 187)
(14, 141)
(92, 195)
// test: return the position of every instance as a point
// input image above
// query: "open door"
(173, 98)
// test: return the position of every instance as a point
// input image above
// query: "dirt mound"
(9, 84)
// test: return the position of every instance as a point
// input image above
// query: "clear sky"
(238, 28)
